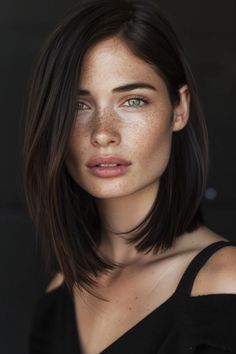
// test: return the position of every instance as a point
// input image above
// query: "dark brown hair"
(64, 214)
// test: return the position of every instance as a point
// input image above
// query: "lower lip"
(109, 171)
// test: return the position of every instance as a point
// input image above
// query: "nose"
(104, 139)
(105, 131)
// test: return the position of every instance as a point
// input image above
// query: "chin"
(108, 191)
(108, 194)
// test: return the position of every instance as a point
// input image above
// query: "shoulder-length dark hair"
(66, 215)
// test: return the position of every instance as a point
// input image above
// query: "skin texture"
(112, 123)
(108, 123)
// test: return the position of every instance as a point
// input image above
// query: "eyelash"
(138, 98)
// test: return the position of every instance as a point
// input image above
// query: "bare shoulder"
(218, 275)
(222, 271)
(56, 281)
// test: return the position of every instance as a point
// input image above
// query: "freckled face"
(135, 124)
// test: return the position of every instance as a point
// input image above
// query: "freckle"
(136, 297)
(130, 308)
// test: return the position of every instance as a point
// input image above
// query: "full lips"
(107, 171)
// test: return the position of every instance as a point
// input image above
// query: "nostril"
(105, 137)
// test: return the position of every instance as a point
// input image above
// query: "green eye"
(81, 106)
(135, 102)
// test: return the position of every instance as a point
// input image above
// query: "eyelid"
(137, 97)
(81, 102)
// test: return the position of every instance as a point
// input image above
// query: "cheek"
(75, 150)
(76, 144)
(154, 146)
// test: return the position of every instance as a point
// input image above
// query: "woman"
(115, 156)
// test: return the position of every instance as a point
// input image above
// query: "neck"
(121, 215)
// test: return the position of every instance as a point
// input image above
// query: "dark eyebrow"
(133, 86)
(124, 88)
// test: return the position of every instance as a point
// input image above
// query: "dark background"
(207, 30)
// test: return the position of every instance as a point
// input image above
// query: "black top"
(203, 324)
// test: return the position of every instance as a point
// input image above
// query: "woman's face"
(115, 118)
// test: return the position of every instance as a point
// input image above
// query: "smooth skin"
(137, 125)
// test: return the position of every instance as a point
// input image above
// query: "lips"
(108, 160)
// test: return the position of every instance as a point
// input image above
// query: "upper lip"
(107, 159)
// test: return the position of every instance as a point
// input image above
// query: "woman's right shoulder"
(55, 282)
(44, 320)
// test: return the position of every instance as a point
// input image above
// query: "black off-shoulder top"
(183, 324)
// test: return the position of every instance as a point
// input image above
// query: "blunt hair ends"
(65, 215)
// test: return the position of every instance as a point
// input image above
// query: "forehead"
(112, 61)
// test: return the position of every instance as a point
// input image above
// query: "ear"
(181, 110)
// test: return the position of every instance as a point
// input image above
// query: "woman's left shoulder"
(222, 270)
(209, 313)
(219, 275)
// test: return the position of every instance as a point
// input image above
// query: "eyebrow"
(123, 88)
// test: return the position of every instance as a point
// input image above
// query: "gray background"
(207, 30)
